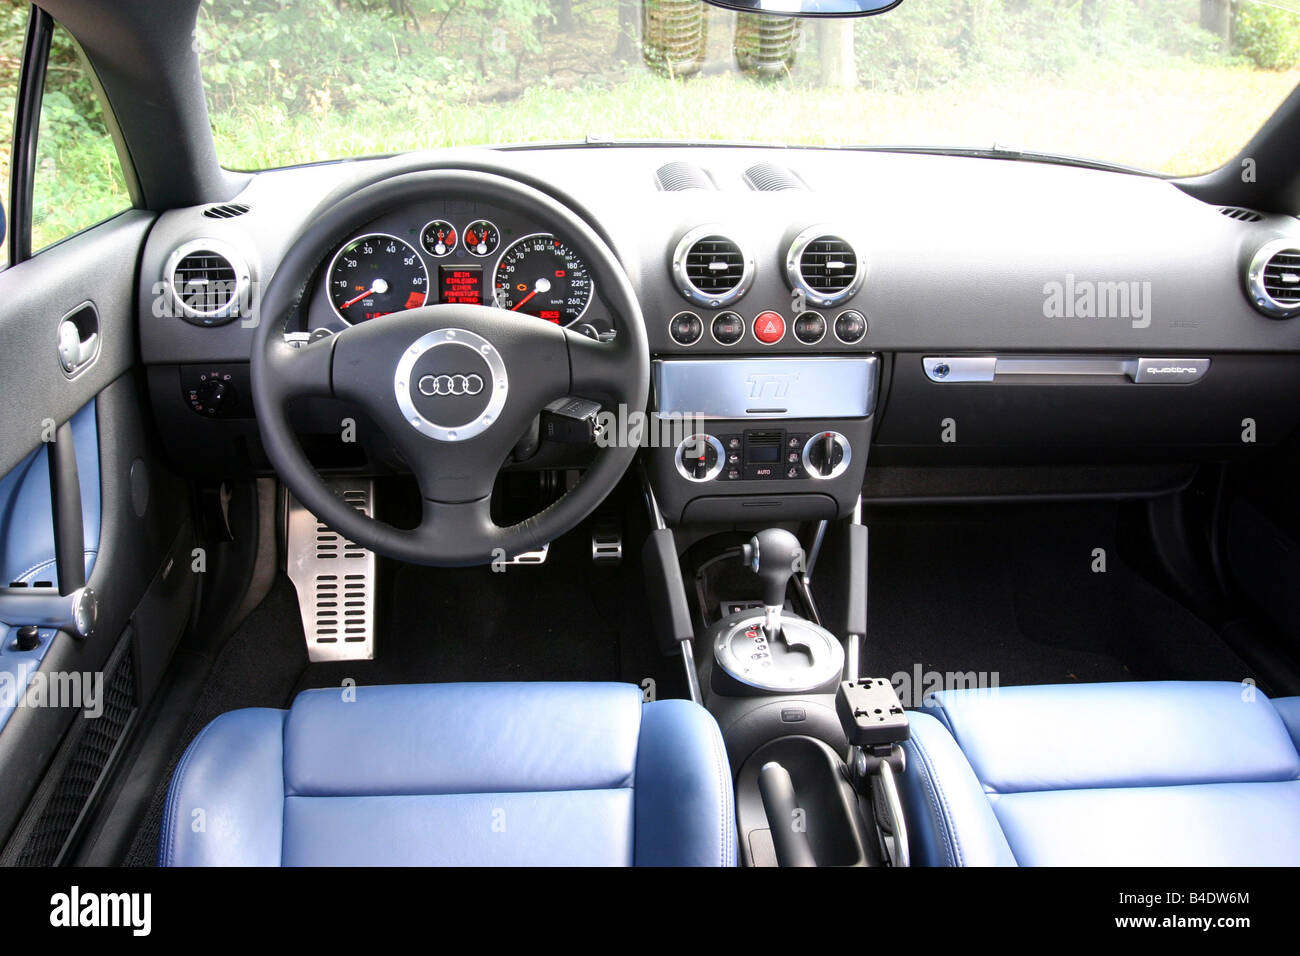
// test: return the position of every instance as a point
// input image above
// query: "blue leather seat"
(455, 774)
(1164, 774)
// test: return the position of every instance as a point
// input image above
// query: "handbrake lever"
(780, 804)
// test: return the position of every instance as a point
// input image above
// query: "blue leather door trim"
(27, 542)
(26, 516)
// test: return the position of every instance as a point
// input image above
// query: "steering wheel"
(453, 387)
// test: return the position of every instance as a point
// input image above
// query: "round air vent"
(824, 266)
(1274, 279)
(711, 268)
(208, 282)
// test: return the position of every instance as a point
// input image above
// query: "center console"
(762, 439)
(764, 459)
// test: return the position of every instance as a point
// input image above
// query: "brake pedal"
(607, 542)
(334, 578)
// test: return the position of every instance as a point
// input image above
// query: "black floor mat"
(562, 620)
(1013, 590)
(258, 667)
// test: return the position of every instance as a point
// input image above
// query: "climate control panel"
(763, 454)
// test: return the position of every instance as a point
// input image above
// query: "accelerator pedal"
(334, 578)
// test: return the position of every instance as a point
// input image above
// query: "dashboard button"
(728, 328)
(686, 328)
(809, 328)
(850, 327)
(769, 327)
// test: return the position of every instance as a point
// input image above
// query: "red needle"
(357, 299)
(523, 300)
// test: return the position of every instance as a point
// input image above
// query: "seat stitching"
(46, 564)
(173, 800)
(935, 789)
(719, 762)
(636, 762)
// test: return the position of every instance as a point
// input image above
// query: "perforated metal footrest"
(334, 578)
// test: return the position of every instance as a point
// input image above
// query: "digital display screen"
(763, 453)
(460, 285)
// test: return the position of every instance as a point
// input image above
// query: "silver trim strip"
(739, 388)
(990, 368)
(1168, 371)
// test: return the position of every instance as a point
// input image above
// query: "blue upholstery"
(520, 774)
(27, 540)
(27, 517)
(1158, 773)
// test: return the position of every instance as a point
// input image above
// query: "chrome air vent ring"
(824, 265)
(711, 268)
(208, 282)
(1273, 278)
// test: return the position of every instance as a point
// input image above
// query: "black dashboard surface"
(961, 256)
(958, 250)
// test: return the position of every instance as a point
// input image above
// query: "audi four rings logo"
(451, 384)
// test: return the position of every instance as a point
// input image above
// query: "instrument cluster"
(460, 253)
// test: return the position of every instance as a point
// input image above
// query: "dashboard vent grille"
(205, 282)
(828, 266)
(1240, 214)
(676, 177)
(769, 177)
(715, 265)
(1281, 278)
(226, 210)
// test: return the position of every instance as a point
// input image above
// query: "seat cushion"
(455, 774)
(1158, 773)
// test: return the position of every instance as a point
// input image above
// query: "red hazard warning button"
(769, 327)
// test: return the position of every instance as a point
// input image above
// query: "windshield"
(1172, 86)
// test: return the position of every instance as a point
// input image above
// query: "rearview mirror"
(809, 8)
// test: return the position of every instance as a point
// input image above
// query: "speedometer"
(374, 275)
(541, 276)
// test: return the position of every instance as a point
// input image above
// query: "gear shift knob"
(774, 555)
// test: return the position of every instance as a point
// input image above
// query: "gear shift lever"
(774, 555)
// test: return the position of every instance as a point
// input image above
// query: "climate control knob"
(699, 458)
(826, 455)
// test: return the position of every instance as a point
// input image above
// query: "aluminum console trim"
(738, 388)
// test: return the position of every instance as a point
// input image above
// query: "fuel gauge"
(482, 238)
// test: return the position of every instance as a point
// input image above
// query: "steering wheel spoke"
(597, 369)
(300, 372)
(454, 524)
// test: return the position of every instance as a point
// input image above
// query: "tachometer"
(374, 275)
(539, 275)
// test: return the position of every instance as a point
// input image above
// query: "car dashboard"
(952, 316)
